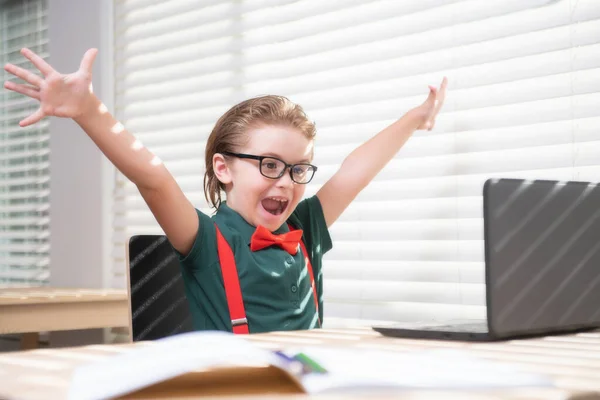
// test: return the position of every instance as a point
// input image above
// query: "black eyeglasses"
(274, 168)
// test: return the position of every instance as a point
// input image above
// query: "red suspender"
(231, 281)
(311, 276)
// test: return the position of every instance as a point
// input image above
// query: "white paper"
(352, 369)
(162, 360)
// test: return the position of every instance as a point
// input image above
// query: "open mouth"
(274, 205)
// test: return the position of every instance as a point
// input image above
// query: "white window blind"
(24, 153)
(524, 101)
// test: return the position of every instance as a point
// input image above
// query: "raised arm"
(71, 96)
(361, 166)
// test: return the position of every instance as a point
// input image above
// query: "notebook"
(217, 356)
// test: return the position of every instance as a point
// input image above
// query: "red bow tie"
(262, 238)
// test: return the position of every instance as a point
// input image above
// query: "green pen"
(310, 364)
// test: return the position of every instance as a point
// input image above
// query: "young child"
(255, 266)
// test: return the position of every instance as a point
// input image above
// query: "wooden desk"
(33, 310)
(573, 362)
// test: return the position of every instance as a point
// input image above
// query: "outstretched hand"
(60, 95)
(428, 111)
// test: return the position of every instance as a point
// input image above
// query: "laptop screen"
(542, 255)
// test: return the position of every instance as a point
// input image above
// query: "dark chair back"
(158, 303)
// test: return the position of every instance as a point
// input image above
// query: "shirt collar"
(234, 221)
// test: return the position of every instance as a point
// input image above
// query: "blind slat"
(24, 165)
(523, 102)
(411, 292)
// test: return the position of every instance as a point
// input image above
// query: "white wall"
(81, 178)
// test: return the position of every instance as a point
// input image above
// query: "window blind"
(24, 154)
(523, 101)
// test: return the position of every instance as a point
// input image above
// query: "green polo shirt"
(275, 285)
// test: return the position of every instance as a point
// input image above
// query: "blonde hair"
(231, 129)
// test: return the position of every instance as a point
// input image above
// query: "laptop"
(542, 263)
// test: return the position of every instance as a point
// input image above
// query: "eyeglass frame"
(261, 158)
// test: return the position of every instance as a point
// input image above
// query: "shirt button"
(295, 303)
(294, 288)
(290, 260)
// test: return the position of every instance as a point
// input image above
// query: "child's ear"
(221, 169)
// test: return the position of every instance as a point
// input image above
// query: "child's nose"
(285, 180)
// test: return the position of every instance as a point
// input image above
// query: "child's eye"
(299, 170)
(270, 165)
